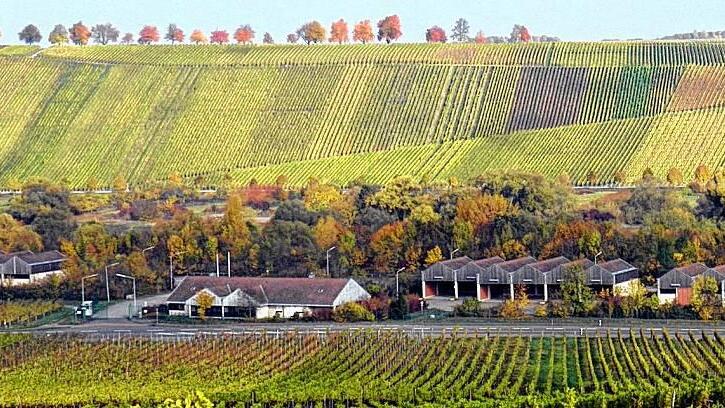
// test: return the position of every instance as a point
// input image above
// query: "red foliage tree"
(244, 34)
(524, 35)
(480, 38)
(435, 34)
(338, 31)
(148, 34)
(389, 29)
(219, 37)
(363, 32)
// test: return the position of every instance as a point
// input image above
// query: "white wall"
(352, 292)
(36, 277)
(287, 312)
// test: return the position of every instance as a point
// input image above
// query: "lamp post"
(83, 286)
(135, 306)
(171, 267)
(454, 251)
(108, 290)
(397, 282)
(143, 251)
(598, 254)
(327, 257)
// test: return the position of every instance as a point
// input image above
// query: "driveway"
(121, 309)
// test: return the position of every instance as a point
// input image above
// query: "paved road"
(120, 310)
(124, 327)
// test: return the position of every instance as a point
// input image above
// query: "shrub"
(352, 312)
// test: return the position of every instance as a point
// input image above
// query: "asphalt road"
(578, 327)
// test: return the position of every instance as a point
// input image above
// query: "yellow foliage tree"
(204, 302)
(433, 255)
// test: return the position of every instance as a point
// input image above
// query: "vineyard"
(622, 369)
(338, 113)
(25, 312)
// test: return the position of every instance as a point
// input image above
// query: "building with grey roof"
(263, 297)
(22, 268)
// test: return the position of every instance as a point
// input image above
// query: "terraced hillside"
(374, 111)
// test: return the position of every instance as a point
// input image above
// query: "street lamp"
(148, 249)
(171, 267)
(397, 284)
(135, 306)
(327, 256)
(597, 255)
(108, 290)
(83, 287)
(454, 251)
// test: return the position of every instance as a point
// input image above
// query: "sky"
(571, 20)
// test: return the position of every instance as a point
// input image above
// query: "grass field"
(367, 369)
(340, 112)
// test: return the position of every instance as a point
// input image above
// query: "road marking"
(122, 331)
(89, 331)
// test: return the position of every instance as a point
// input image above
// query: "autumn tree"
(520, 34)
(327, 232)
(244, 34)
(80, 34)
(235, 234)
(674, 176)
(267, 39)
(198, 37)
(219, 37)
(139, 268)
(105, 33)
(14, 236)
(174, 34)
(481, 210)
(389, 29)
(148, 35)
(59, 35)
(460, 30)
(338, 31)
(204, 302)
(127, 39)
(706, 297)
(312, 32)
(434, 255)
(702, 176)
(363, 32)
(480, 38)
(435, 34)
(292, 38)
(387, 246)
(30, 34)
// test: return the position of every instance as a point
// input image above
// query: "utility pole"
(217, 264)
(229, 264)
(135, 306)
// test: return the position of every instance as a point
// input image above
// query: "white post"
(108, 292)
(478, 288)
(135, 306)
(217, 264)
(229, 264)
(222, 306)
(511, 284)
(83, 291)
(422, 284)
(171, 271)
(546, 289)
(658, 290)
(455, 284)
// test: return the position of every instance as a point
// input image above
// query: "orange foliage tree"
(198, 37)
(244, 34)
(480, 38)
(148, 34)
(80, 34)
(338, 31)
(363, 32)
(389, 29)
(387, 246)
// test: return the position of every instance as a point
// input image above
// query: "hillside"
(373, 111)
